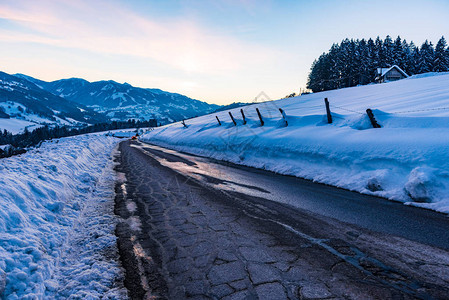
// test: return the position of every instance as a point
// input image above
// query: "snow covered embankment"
(406, 160)
(57, 223)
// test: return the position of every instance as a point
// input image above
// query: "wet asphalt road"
(194, 228)
(369, 212)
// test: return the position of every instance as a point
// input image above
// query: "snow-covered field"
(20, 119)
(57, 223)
(405, 160)
(16, 126)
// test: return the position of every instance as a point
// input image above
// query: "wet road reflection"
(369, 212)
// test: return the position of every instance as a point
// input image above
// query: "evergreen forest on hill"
(355, 62)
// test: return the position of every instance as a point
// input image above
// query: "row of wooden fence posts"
(369, 112)
(284, 117)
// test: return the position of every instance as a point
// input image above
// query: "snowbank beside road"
(406, 160)
(56, 221)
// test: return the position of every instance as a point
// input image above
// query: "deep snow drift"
(406, 160)
(57, 222)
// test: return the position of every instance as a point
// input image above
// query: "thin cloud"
(111, 29)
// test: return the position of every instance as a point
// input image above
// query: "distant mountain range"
(75, 100)
(24, 104)
(231, 106)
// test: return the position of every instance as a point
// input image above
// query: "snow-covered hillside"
(23, 104)
(56, 222)
(21, 118)
(406, 160)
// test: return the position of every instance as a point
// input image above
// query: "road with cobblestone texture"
(195, 228)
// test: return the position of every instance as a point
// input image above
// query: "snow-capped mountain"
(123, 101)
(24, 104)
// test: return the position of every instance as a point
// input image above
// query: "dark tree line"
(27, 139)
(355, 62)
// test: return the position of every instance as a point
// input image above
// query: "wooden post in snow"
(283, 116)
(243, 116)
(328, 111)
(260, 117)
(232, 118)
(219, 123)
(370, 114)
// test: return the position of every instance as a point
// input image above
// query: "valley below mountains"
(27, 102)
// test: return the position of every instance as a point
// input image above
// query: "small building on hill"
(392, 73)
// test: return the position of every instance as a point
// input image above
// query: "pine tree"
(447, 56)
(363, 60)
(346, 63)
(314, 78)
(397, 52)
(426, 57)
(380, 53)
(405, 62)
(441, 63)
(354, 62)
(372, 63)
(415, 67)
(388, 51)
(331, 69)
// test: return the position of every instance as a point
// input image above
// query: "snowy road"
(193, 227)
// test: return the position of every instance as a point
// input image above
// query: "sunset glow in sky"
(216, 51)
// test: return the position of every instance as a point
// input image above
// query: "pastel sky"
(216, 51)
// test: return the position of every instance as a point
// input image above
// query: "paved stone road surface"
(182, 239)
